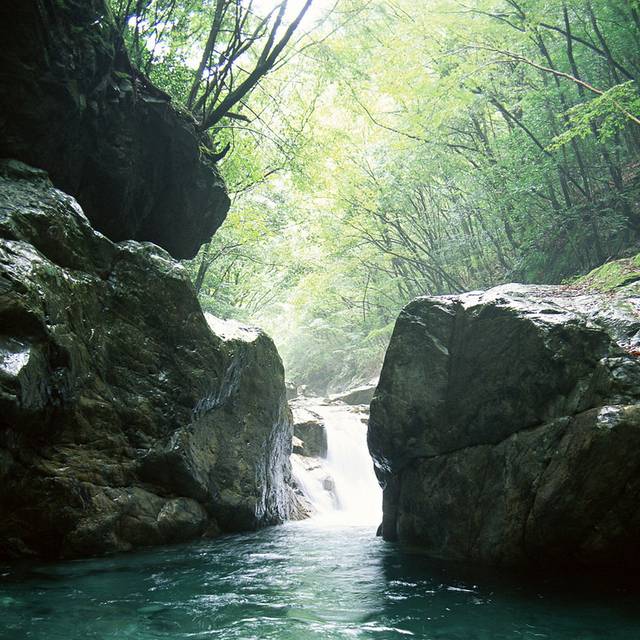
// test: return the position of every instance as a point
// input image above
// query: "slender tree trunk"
(203, 267)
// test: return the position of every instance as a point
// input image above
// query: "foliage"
(607, 114)
(210, 55)
(422, 148)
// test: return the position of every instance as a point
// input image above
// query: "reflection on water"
(319, 579)
(297, 582)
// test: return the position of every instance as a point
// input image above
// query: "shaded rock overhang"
(71, 103)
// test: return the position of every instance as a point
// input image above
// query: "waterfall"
(341, 488)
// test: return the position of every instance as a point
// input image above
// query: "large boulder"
(506, 428)
(310, 431)
(124, 419)
(71, 103)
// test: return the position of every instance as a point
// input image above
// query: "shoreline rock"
(310, 431)
(506, 427)
(125, 421)
(356, 396)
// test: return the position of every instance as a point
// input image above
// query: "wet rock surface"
(310, 430)
(357, 396)
(71, 103)
(124, 419)
(506, 427)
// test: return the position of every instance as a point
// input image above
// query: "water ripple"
(298, 582)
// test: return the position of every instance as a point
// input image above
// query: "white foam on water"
(342, 488)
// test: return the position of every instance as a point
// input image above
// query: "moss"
(612, 275)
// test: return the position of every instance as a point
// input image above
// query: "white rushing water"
(342, 488)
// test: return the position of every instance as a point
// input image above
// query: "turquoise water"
(298, 582)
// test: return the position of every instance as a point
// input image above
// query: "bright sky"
(316, 11)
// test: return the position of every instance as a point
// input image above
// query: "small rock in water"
(329, 484)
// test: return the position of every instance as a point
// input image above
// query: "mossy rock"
(611, 275)
(505, 428)
(119, 145)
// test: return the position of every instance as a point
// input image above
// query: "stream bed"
(297, 582)
(326, 578)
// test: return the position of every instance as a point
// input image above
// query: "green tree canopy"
(411, 148)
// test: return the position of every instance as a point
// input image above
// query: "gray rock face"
(72, 104)
(359, 395)
(124, 419)
(506, 427)
(310, 430)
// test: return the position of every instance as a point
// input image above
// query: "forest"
(393, 148)
(319, 319)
